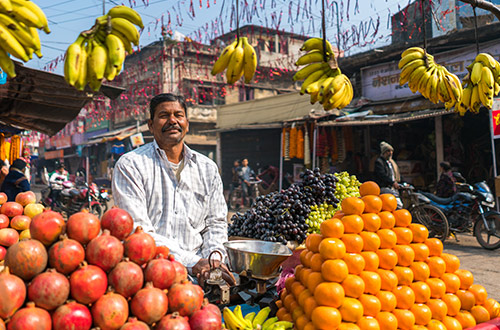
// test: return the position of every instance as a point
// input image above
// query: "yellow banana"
(461, 109)
(116, 51)
(5, 6)
(314, 97)
(315, 86)
(223, 60)
(476, 72)
(349, 95)
(432, 87)
(36, 39)
(269, 322)
(250, 316)
(316, 43)
(126, 28)
(232, 322)
(249, 60)
(111, 72)
(282, 325)
(72, 61)
(10, 44)
(474, 98)
(23, 14)
(126, 13)
(496, 89)
(125, 41)
(413, 50)
(261, 316)
(316, 75)
(487, 77)
(311, 57)
(239, 316)
(424, 80)
(7, 64)
(338, 97)
(35, 10)
(410, 58)
(235, 67)
(466, 96)
(408, 69)
(82, 72)
(415, 78)
(306, 71)
(489, 61)
(324, 88)
(97, 59)
(20, 32)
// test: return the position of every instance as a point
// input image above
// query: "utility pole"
(104, 7)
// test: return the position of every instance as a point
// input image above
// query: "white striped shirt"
(187, 216)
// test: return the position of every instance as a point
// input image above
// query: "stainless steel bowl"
(258, 259)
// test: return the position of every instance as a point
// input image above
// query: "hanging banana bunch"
(326, 85)
(19, 21)
(3, 150)
(432, 80)
(482, 83)
(239, 58)
(15, 144)
(99, 53)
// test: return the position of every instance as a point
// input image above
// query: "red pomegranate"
(12, 293)
(3, 252)
(30, 318)
(65, 255)
(83, 227)
(26, 258)
(126, 278)
(104, 251)
(88, 283)
(20, 222)
(25, 198)
(49, 290)
(47, 227)
(161, 272)
(118, 222)
(11, 209)
(134, 324)
(110, 311)
(8, 237)
(2, 325)
(149, 304)
(4, 220)
(173, 322)
(206, 318)
(163, 250)
(181, 273)
(72, 316)
(185, 298)
(3, 198)
(140, 247)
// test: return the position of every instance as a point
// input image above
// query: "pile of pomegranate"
(88, 272)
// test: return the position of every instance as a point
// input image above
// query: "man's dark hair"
(445, 165)
(19, 164)
(165, 97)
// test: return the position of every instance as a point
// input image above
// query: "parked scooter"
(471, 209)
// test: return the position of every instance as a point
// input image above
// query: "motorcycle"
(104, 198)
(471, 209)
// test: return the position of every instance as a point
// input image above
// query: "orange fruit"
(438, 288)
(348, 326)
(452, 282)
(406, 319)
(352, 205)
(287, 317)
(435, 246)
(297, 288)
(437, 266)
(289, 281)
(420, 232)
(466, 278)
(480, 314)
(423, 314)
(421, 271)
(353, 224)
(329, 294)
(301, 322)
(316, 262)
(466, 319)
(309, 326)
(279, 303)
(296, 313)
(368, 323)
(452, 262)
(324, 317)
(338, 215)
(298, 270)
(453, 303)
(387, 220)
(479, 292)
(302, 256)
(387, 321)
(312, 242)
(351, 310)
(403, 217)
(388, 259)
(283, 294)
(405, 255)
(451, 323)
(419, 327)
(303, 296)
(288, 301)
(467, 299)
(438, 308)
(332, 248)
(371, 260)
(388, 238)
(369, 188)
(422, 291)
(354, 286)
(421, 251)
(403, 234)
(355, 263)
(388, 280)
(371, 221)
(389, 202)
(309, 305)
(371, 241)
(372, 281)
(304, 274)
(435, 325)
(313, 280)
(404, 274)
(353, 243)
(280, 313)
(333, 228)
(405, 297)
(307, 261)
(493, 307)
(334, 270)
(387, 300)
(371, 305)
(373, 204)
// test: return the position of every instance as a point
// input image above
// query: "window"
(272, 46)
(261, 44)
(283, 46)
(246, 94)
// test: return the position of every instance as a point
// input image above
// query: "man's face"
(244, 162)
(388, 154)
(236, 164)
(169, 125)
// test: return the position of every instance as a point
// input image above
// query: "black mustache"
(167, 127)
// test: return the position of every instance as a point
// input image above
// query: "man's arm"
(381, 174)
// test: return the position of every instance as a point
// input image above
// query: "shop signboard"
(495, 118)
(137, 140)
(381, 82)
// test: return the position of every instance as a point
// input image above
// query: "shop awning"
(117, 134)
(43, 101)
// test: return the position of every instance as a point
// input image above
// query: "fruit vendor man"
(173, 192)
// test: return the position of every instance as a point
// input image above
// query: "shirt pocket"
(197, 210)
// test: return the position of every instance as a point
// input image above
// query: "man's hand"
(395, 185)
(202, 268)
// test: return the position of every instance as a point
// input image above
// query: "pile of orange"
(372, 268)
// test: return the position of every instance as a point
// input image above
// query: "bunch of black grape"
(281, 216)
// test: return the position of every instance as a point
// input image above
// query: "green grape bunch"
(318, 214)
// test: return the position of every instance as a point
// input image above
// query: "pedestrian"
(386, 170)
(235, 179)
(446, 186)
(245, 174)
(15, 182)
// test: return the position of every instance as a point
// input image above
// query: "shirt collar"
(188, 153)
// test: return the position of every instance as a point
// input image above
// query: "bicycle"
(424, 213)
(236, 199)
